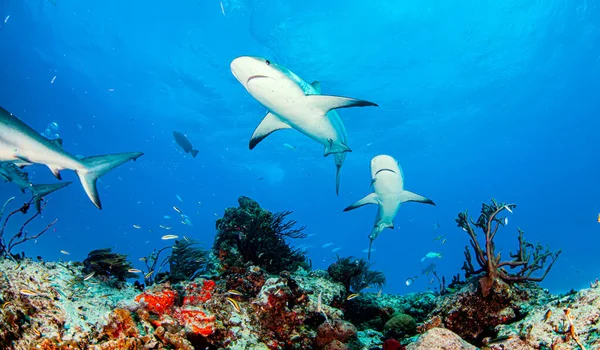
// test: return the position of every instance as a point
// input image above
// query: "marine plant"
(355, 274)
(108, 266)
(22, 235)
(187, 260)
(528, 259)
(250, 234)
(154, 273)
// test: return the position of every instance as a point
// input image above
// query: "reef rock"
(440, 339)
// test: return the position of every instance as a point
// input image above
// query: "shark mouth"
(385, 169)
(255, 77)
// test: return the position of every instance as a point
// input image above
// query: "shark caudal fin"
(407, 196)
(194, 153)
(41, 191)
(97, 166)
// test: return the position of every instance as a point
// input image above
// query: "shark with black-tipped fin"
(18, 141)
(389, 193)
(295, 104)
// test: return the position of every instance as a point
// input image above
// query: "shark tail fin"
(194, 153)
(41, 191)
(408, 196)
(96, 166)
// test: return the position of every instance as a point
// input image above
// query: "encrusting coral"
(251, 235)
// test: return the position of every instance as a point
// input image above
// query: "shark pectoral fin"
(407, 196)
(55, 171)
(371, 198)
(325, 103)
(96, 166)
(317, 85)
(40, 191)
(58, 142)
(268, 125)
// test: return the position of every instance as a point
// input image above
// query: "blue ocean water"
(477, 100)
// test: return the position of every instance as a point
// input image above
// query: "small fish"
(37, 332)
(431, 282)
(137, 226)
(547, 315)
(134, 271)
(379, 293)
(326, 245)
(167, 217)
(111, 90)
(444, 241)
(28, 292)
(89, 276)
(53, 79)
(410, 280)
(65, 252)
(437, 238)
(143, 259)
(431, 255)
(287, 145)
(505, 221)
(352, 296)
(508, 208)
(105, 296)
(6, 19)
(6, 304)
(146, 276)
(336, 249)
(179, 198)
(464, 229)
(234, 304)
(222, 8)
(177, 209)
(234, 292)
(319, 304)
(167, 237)
(599, 218)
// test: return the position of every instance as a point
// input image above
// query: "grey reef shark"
(11, 173)
(293, 103)
(389, 193)
(22, 144)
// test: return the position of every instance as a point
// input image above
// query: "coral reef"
(400, 326)
(355, 274)
(108, 266)
(186, 261)
(251, 235)
(527, 260)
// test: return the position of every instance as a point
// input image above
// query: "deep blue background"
(477, 100)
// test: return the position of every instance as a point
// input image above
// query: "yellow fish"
(352, 296)
(599, 218)
(234, 304)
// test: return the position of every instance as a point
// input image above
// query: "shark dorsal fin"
(268, 125)
(317, 85)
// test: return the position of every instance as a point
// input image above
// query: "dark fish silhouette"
(184, 143)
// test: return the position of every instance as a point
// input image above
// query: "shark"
(10, 172)
(387, 181)
(293, 103)
(18, 141)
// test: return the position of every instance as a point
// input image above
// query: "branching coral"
(527, 260)
(252, 235)
(22, 235)
(355, 274)
(186, 261)
(108, 266)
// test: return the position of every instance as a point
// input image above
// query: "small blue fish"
(179, 198)
(167, 217)
(326, 245)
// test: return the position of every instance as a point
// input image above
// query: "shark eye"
(268, 62)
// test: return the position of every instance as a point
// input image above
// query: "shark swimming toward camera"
(295, 104)
(18, 141)
(388, 183)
